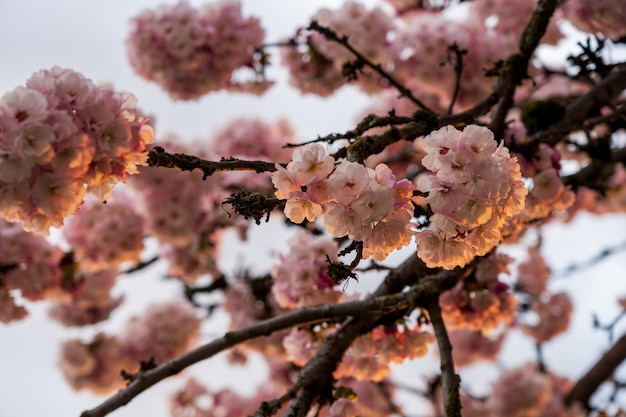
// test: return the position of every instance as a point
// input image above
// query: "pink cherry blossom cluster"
(428, 64)
(526, 391)
(470, 346)
(164, 332)
(189, 52)
(301, 344)
(59, 134)
(317, 67)
(105, 235)
(511, 18)
(369, 357)
(170, 202)
(605, 17)
(88, 298)
(552, 311)
(240, 305)
(301, 278)
(482, 302)
(547, 192)
(533, 274)
(94, 365)
(196, 400)
(364, 204)
(489, 32)
(473, 188)
(184, 213)
(245, 307)
(252, 139)
(29, 264)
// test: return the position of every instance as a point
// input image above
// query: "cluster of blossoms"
(29, 264)
(470, 346)
(190, 52)
(553, 311)
(473, 188)
(511, 17)
(369, 357)
(166, 331)
(248, 301)
(364, 204)
(547, 192)
(418, 65)
(61, 136)
(185, 215)
(39, 270)
(524, 391)
(194, 399)
(482, 302)
(317, 67)
(105, 235)
(197, 400)
(301, 278)
(88, 298)
(320, 65)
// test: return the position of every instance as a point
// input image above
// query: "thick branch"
(600, 372)
(317, 373)
(450, 381)
(601, 95)
(515, 68)
(159, 158)
(308, 315)
(597, 171)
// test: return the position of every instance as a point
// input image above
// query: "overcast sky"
(88, 36)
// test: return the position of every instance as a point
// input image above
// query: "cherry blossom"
(317, 66)
(473, 188)
(103, 235)
(189, 52)
(365, 204)
(64, 136)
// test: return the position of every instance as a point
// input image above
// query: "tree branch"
(600, 372)
(318, 371)
(304, 316)
(515, 69)
(159, 158)
(330, 35)
(602, 94)
(450, 381)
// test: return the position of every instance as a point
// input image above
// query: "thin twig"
(596, 259)
(458, 71)
(141, 265)
(330, 35)
(159, 158)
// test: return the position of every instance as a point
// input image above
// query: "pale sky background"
(88, 36)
